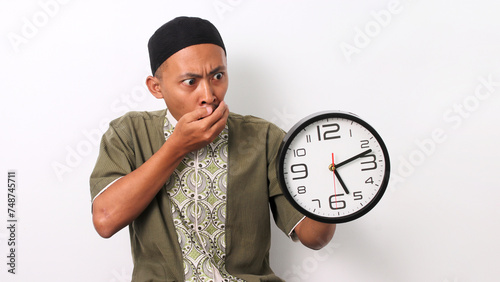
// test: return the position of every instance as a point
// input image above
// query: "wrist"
(176, 148)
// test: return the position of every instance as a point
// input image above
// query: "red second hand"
(334, 186)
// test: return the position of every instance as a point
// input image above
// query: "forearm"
(127, 198)
(314, 234)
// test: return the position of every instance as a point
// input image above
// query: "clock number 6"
(337, 204)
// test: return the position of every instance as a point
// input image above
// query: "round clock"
(333, 167)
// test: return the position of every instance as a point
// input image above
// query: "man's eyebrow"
(216, 70)
(196, 75)
(190, 75)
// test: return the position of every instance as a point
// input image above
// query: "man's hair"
(159, 70)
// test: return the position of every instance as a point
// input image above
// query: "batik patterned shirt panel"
(198, 192)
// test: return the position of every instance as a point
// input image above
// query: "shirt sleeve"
(284, 214)
(114, 161)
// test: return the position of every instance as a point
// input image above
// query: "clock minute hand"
(353, 158)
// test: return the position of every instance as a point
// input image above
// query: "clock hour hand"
(341, 182)
(352, 158)
(336, 174)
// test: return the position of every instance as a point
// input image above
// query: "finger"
(220, 114)
(215, 116)
(220, 123)
(220, 110)
(197, 114)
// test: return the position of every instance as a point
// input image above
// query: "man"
(193, 190)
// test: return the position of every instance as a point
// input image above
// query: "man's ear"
(153, 84)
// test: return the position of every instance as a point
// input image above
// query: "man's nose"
(207, 93)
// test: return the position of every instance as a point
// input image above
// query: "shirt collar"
(171, 119)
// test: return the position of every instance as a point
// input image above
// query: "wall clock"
(333, 167)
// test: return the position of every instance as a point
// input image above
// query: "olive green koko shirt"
(253, 191)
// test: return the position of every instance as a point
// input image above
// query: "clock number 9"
(327, 135)
(301, 169)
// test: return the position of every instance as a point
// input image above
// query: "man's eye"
(218, 76)
(188, 81)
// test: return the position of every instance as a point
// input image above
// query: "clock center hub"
(331, 167)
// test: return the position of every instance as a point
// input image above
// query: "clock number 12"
(328, 134)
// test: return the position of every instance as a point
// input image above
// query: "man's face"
(194, 77)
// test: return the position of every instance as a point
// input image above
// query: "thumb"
(205, 111)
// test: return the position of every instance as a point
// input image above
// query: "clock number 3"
(371, 163)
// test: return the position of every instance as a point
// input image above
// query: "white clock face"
(335, 169)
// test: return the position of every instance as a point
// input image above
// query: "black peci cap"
(178, 34)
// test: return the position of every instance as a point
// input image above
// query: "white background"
(425, 74)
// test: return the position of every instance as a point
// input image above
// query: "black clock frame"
(292, 133)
